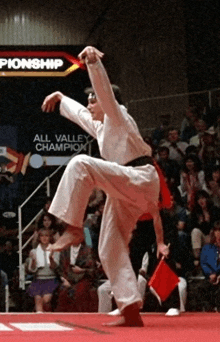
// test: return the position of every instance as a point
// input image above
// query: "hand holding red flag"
(163, 281)
(163, 249)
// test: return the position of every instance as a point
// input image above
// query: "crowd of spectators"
(189, 158)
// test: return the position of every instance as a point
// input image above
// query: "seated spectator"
(77, 270)
(188, 129)
(43, 264)
(170, 168)
(209, 289)
(212, 184)
(192, 179)
(9, 260)
(176, 146)
(207, 151)
(201, 221)
(47, 221)
(201, 127)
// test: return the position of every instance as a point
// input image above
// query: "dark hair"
(191, 149)
(200, 194)
(51, 217)
(170, 129)
(163, 149)
(197, 210)
(195, 159)
(116, 91)
(203, 194)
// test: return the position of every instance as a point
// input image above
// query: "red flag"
(163, 281)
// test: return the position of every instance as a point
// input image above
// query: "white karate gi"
(129, 189)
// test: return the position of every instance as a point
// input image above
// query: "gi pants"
(129, 191)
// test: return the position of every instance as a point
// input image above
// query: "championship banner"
(29, 137)
(37, 64)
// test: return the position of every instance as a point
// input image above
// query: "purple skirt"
(40, 287)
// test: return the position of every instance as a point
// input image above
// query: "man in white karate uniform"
(127, 175)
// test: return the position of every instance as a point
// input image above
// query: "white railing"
(6, 298)
(21, 229)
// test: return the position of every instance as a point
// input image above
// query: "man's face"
(173, 136)
(200, 125)
(95, 108)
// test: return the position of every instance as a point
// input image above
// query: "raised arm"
(100, 82)
(71, 110)
(50, 101)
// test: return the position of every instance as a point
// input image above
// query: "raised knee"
(78, 162)
(80, 158)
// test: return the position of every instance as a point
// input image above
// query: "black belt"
(141, 161)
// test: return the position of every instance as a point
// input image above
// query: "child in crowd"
(43, 264)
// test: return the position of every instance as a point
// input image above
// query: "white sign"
(31, 63)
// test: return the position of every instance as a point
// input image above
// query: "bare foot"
(71, 236)
(123, 322)
(130, 318)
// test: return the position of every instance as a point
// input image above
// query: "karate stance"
(127, 176)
